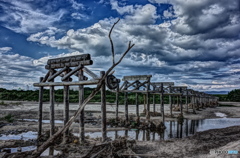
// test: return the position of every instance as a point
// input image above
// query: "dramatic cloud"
(17, 71)
(194, 43)
(22, 17)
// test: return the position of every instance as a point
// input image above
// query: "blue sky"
(189, 42)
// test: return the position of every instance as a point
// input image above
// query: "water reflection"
(173, 129)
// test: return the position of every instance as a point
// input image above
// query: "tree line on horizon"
(32, 95)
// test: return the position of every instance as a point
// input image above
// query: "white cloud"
(195, 48)
(21, 17)
(76, 5)
(5, 49)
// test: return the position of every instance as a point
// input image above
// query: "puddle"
(26, 148)
(47, 152)
(43, 121)
(219, 114)
(173, 129)
(21, 136)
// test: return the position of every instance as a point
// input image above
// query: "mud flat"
(198, 136)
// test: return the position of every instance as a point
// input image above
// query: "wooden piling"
(170, 101)
(154, 106)
(137, 108)
(103, 109)
(181, 103)
(117, 102)
(40, 109)
(126, 106)
(52, 100)
(148, 100)
(162, 104)
(66, 107)
(186, 100)
(81, 99)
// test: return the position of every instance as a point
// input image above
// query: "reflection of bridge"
(68, 68)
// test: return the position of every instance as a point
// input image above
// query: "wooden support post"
(187, 100)
(126, 104)
(162, 104)
(148, 100)
(40, 109)
(193, 103)
(170, 101)
(154, 106)
(103, 109)
(137, 109)
(137, 104)
(180, 100)
(66, 108)
(117, 102)
(177, 101)
(52, 100)
(81, 99)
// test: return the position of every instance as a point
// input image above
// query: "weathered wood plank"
(48, 84)
(69, 59)
(90, 73)
(56, 74)
(164, 83)
(72, 64)
(136, 77)
(72, 72)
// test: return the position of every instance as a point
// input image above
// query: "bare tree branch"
(110, 38)
(51, 140)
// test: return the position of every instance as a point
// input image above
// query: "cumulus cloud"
(198, 45)
(17, 71)
(22, 17)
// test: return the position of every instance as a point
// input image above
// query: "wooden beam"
(69, 59)
(164, 83)
(103, 109)
(71, 64)
(136, 77)
(48, 84)
(72, 72)
(57, 74)
(90, 73)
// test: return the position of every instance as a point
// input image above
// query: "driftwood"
(51, 140)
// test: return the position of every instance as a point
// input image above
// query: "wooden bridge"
(68, 67)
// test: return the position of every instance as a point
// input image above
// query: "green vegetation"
(30, 95)
(234, 95)
(222, 97)
(8, 118)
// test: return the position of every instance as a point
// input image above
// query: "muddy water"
(173, 130)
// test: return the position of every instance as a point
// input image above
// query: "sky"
(195, 43)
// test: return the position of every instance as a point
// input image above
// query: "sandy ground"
(198, 145)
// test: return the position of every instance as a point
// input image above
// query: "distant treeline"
(32, 95)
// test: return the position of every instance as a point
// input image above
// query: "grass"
(8, 118)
